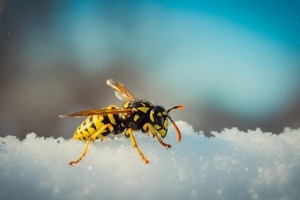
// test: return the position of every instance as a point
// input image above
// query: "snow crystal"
(232, 165)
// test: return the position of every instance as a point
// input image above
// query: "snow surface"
(232, 165)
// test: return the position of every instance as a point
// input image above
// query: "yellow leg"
(153, 131)
(134, 144)
(91, 138)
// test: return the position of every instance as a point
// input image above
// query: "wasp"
(134, 115)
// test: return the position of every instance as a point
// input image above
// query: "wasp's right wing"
(96, 112)
(121, 91)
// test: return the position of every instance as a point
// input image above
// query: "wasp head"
(160, 120)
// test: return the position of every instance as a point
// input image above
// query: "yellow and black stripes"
(94, 123)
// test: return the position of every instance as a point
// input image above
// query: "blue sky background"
(240, 58)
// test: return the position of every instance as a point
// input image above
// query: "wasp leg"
(92, 138)
(134, 144)
(153, 131)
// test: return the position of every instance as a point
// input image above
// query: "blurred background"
(233, 64)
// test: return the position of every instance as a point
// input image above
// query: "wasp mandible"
(134, 115)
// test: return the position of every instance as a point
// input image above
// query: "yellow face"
(159, 120)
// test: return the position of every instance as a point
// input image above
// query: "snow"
(232, 165)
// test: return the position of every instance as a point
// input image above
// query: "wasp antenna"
(180, 107)
(176, 129)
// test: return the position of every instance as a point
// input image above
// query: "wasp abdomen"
(93, 124)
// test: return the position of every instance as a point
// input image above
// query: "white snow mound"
(232, 165)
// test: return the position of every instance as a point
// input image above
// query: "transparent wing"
(121, 91)
(96, 112)
(120, 96)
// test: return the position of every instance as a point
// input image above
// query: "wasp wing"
(121, 91)
(96, 112)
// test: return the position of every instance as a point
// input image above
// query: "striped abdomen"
(94, 123)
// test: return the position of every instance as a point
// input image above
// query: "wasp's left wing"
(121, 91)
(96, 112)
